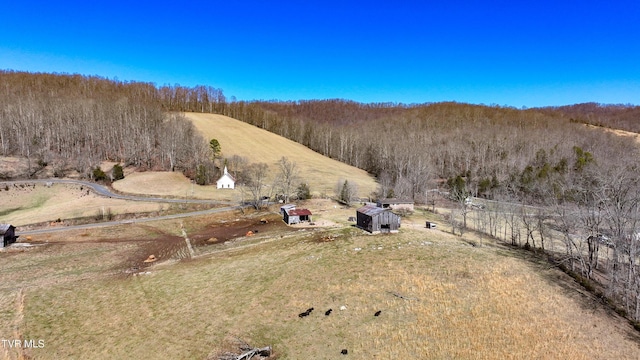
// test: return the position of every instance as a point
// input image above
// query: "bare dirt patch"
(164, 240)
(231, 229)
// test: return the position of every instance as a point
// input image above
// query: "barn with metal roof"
(375, 219)
(291, 215)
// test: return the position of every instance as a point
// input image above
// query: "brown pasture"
(439, 297)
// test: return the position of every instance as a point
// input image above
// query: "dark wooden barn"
(375, 219)
(8, 235)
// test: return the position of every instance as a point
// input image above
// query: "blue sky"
(513, 53)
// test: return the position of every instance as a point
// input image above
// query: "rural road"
(106, 192)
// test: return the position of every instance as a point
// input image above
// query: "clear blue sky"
(515, 53)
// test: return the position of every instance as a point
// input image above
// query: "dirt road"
(106, 192)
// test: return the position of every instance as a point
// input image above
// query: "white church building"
(226, 181)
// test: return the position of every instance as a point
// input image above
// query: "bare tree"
(287, 177)
(256, 183)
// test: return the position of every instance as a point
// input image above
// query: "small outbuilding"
(295, 216)
(291, 215)
(226, 181)
(396, 204)
(7, 234)
(377, 219)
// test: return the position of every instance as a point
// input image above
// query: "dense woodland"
(74, 122)
(586, 180)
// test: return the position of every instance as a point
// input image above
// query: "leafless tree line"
(74, 123)
(623, 117)
(411, 149)
(596, 235)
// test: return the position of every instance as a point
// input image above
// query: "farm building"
(226, 181)
(291, 215)
(395, 204)
(7, 232)
(295, 216)
(285, 208)
(377, 219)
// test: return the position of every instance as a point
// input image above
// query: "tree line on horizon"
(588, 179)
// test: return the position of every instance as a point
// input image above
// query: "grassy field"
(29, 204)
(458, 301)
(171, 184)
(259, 145)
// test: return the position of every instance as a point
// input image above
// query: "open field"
(171, 184)
(259, 145)
(29, 204)
(174, 185)
(459, 302)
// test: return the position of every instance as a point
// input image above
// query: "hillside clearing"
(259, 145)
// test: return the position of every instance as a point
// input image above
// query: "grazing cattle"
(306, 313)
(328, 312)
(344, 352)
(377, 313)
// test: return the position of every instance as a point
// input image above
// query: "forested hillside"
(488, 151)
(623, 117)
(74, 122)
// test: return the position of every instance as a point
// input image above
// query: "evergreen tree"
(216, 149)
(201, 175)
(303, 192)
(117, 172)
(99, 175)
